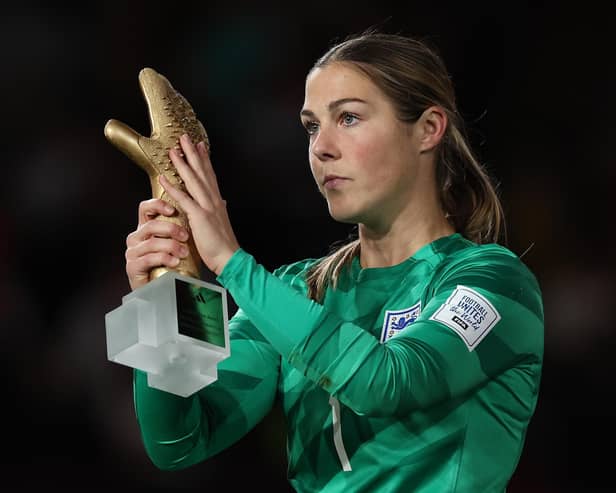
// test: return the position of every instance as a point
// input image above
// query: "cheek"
(372, 155)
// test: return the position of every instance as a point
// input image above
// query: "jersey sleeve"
(427, 362)
(178, 432)
(482, 316)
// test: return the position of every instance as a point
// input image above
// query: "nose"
(324, 145)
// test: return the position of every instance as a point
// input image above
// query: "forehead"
(337, 81)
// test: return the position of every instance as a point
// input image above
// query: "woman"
(407, 360)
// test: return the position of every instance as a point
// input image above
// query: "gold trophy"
(175, 328)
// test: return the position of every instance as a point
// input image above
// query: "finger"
(208, 169)
(156, 245)
(195, 186)
(149, 209)
(141, 267)
(199, 160)
(159, 229)
(185, 201)
(200, 164)
(193, 157)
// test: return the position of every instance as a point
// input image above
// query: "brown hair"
(414, 77)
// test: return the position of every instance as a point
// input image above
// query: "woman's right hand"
(155, 243)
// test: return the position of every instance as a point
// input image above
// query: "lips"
(333, 181)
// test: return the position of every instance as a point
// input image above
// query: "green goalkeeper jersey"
(420, 377)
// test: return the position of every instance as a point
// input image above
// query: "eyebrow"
(334, 104)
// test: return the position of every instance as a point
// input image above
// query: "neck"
(415, 226)
(396, 246)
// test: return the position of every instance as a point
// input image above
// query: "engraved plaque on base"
(175, 327)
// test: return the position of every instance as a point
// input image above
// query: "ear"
(431, 125)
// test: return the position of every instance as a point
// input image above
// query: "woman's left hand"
(205, 208)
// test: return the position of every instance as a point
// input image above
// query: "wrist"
(223, 259)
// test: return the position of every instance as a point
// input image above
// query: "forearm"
(171, 426)
(178, 432)
(339, 356)
(419, 369)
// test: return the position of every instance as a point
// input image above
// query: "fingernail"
(183, 251)
(183, 235)
(175, 261)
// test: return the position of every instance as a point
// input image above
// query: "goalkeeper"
(407, 360)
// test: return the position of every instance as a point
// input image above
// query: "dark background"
(536, 85)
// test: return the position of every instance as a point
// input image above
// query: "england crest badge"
(397, 320)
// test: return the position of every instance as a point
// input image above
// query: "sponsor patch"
(397, 320)
(469, 314)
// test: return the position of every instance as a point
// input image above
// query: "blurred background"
(536, 85)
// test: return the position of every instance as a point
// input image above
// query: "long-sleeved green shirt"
(418, 377)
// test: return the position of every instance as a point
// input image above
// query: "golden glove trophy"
(175, 328)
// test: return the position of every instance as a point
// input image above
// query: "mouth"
(333, 181)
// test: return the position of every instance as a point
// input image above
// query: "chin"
(343, 216)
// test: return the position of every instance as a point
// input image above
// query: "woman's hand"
(203, 205)
(155, 243)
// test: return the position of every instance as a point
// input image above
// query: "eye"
(311, 127)
(348, 119)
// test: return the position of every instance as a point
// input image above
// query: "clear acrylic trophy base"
(175, 328)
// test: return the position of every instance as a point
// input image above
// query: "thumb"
(127, 140)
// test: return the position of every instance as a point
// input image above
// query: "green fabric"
(422, 411)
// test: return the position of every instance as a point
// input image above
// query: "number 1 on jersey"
(336, 426)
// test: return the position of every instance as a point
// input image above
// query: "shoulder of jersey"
(489, 254)
(296, 271)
